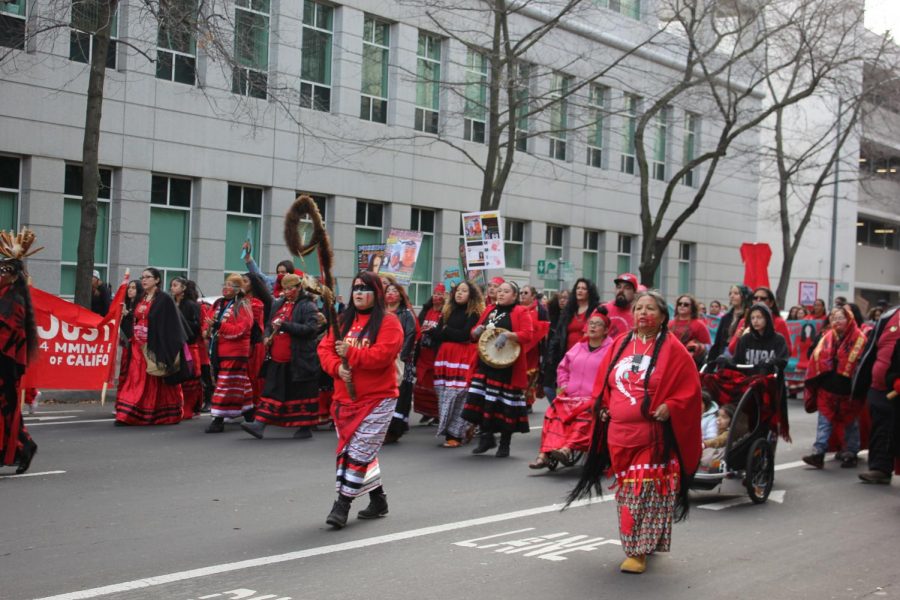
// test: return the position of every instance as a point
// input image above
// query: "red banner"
(77, 347)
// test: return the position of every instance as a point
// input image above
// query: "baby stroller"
(760, 416)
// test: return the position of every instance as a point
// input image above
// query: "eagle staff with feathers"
(304, 208)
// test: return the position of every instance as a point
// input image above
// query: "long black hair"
(598, 458)
(260, 291)
(568, 313)
(129, 303)
(377, 316)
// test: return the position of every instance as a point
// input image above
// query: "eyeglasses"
(761, 298)
(363, 289)
(684, 304)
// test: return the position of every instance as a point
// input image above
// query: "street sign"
(547, 268)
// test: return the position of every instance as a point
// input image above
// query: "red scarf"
(846, 350)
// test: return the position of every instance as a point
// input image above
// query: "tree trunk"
(784, 280)
(90, 153)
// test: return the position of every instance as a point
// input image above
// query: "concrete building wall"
(216, 138)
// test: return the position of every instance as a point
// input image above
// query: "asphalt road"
(168, 512)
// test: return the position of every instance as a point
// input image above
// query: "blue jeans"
(550, 392)
(823, 432)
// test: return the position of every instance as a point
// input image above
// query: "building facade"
(355, 104)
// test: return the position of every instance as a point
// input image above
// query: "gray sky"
(882, 15)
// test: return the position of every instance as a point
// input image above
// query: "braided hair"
(598, 458)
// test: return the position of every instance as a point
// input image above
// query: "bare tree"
(731, 50)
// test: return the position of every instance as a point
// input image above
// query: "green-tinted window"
(9, 192)
(368, 236)
(590, 258)
(523, 83)
(476, 85)
(85, 21)
(375, 61)
(251, 39)
(685, 268)
(428, 83)
(624, 254)
(422, 278)
(598, 102)
(242, 222)
(72, 226)
(553, 251)
(514, 244)
(315, 56)
(691, 126)
(170, 222)
(13, 7)
(559, 115)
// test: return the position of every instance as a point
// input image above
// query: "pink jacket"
(578, 369)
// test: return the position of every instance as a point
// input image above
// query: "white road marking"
(310, 552)
(106, 420)
(31, 474)
(29, 419)
(331, 549)
(53, 412)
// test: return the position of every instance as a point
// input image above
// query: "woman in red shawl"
(828, 380)
(145, 399)
(647, 431)
(425, 400)
(371, 338)
(18, 345)
(257, 293)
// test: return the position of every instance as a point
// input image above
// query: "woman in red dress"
(689, 329)
(257, 293)
(647, 431)
(145, 399)
(425, 401)
(133, 295)
(185, 294)
(231, 327)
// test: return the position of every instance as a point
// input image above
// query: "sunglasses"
(363, 289)
(684, 304)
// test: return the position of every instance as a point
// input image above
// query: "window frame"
(13, 26)
(174, 271)
(103, 267)
(309, 89)
(660, 144)
(689, 147)
(559, 114)
(524, 75)
(685, 266)
(475, 128)
(622, 254)
(80, 38)
(17, 191)
(629, 153)
(367, 108)
(591, 248)
(246, 215)
(552, 247)
(511, 227)
(597, 106)
(427, 118)
(189, 58)
(420, 288)
(251, 81)
(367, 226)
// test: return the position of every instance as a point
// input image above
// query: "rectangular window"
(10, 178)
(624, 254)
(476, 96)
(685, 268)
(660, 143)
(170, 226)
(375, 59)
(84, 21)
(250, 76)
(629, 8)
(523, 105)
(420, 288)
(176, 52)
(553, 251)
(243, 221)
(369, 223)
(559, 115)
(628, 152)
(428, 83)
(691, 129)
(514, 244)
(315, 56)
(72, 226)
(12, 24)
(590, 259)
(877, 234)
(310, 263)
(597, 103)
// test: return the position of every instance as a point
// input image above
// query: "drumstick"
(891, 395)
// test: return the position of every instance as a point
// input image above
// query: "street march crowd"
(622, 377)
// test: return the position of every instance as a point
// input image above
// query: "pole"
(834, 209)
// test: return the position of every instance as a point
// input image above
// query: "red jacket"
(523, 327)
(234, 331)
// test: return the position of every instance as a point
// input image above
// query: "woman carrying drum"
(496, 398)
(568, 420)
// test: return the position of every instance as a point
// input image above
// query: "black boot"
(378, 506)
(29, 449)
(256, 429)
(217, 425)
(337, 518)
(503, 450)
(303, 433)
(486, 441)
(249, 415)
